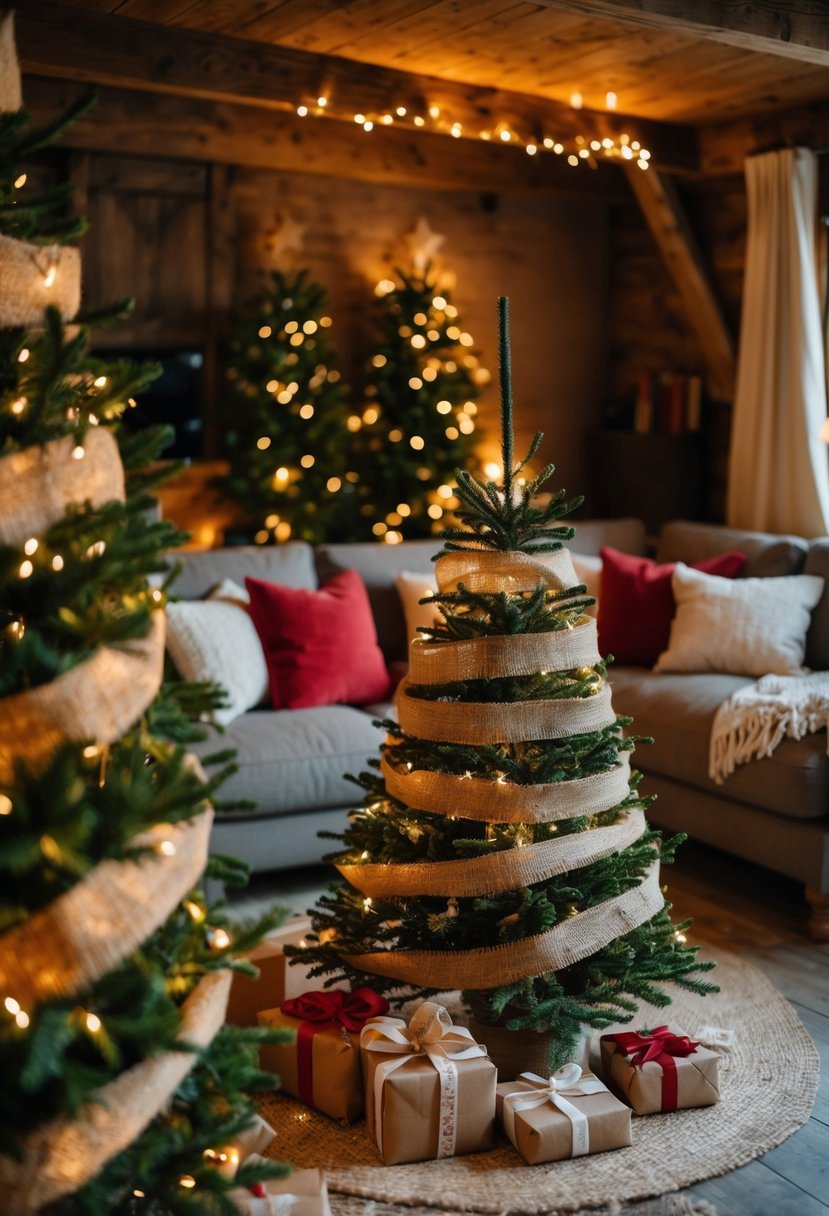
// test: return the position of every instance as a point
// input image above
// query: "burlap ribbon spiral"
(496, 657)
(66, 1152)
(506, 801)
(493, 966)
(506, 870)
(39, 483)
(505, 721)
(35, 277)
(97, 701)
(83, 934)
(510, 571)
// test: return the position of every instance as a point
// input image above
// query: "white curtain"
(778, 469)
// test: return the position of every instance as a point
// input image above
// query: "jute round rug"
(768, 1080)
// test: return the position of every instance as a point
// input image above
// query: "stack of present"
(278, 978)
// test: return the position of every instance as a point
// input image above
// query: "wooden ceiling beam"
(75, 44)
(798, 30)
(665, 216)
(190, 128)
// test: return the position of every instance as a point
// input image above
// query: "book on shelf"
(667, 403)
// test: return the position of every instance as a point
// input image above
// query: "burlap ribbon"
(39, 483)
(85, 933)
(34, 277)
(568, 1082)
(505, 801)
(493, 966)
(67, 1151)
(502, 871)
(494, 657)
(510, 571)
(430, 1033)
(11, 96)
(505, 721)
(97, 701)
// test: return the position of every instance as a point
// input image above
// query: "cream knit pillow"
(412, 587)
(589, 571)
(741, 626)
(215, 640)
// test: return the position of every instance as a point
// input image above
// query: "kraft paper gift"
(660, 1070)
(567, 1115)
(321, 1066)
(279, 979)
(430, 1088)
(302, 1193)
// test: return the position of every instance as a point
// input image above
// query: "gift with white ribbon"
(428, 1066)
(569, 1114)
(301, 1193)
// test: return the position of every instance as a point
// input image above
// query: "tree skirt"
(768, 1079)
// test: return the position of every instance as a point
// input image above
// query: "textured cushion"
(320, 646)
(636, 603)
(412, 587)
(678, 711)
(748, 626)
(295, 759)
(291, 564)
(214, 640)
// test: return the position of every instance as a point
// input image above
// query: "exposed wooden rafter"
(668, 223)
(798, 30)
(73, 44)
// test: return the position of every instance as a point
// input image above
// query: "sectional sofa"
(774, 811)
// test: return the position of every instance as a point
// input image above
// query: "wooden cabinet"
(655, 477)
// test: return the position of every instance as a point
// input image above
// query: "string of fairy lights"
(582, 148)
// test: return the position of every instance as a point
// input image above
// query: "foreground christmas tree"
(285, 414)
(419, 420)
(503, 847)
(120, 1087)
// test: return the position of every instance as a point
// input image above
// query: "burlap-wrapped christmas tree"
(503, 847)
(117, 1077)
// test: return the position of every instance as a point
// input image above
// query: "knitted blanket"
(751, 723)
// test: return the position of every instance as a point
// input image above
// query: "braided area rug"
(768, 1081)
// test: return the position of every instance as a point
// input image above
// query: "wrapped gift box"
(660, 1070)
(277, 980)
(302, 1193)
(568, 1115)
(430, 1088)
(321, 1065)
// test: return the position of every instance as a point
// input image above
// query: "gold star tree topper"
(288, 237)
(424, 244)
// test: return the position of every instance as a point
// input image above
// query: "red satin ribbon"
(321, 1010)
(662, 1046)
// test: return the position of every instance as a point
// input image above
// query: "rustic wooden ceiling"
(687, 61)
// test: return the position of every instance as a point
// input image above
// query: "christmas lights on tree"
(503, 847)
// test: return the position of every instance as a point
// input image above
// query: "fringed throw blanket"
(751, 723)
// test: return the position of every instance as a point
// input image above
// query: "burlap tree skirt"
(768, 1077)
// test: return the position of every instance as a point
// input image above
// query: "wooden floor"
(760, 916)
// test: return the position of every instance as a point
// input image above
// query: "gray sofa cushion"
(767, 556)
(291, 565)
(295, 759)
(678, 711)
(817, 639)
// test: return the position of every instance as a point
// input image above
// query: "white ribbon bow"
(567, 1082)
(430, 1033)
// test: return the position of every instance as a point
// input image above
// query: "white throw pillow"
(741, 626)
(412, 587)
(215, 640)
(589, 571)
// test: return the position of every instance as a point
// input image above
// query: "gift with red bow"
(278, 976)
(660, 1069)
(569, 1114)
(430, 1088)
(321, 1066)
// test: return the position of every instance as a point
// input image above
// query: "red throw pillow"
(320, 646)
(636, 603)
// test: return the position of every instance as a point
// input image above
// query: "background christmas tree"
(502, 846)
(285, 414)
(418, 424)
(109, 958)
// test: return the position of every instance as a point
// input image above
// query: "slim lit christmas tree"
(418, 424)
(503, 847)
(112, 968)
(285, 415)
